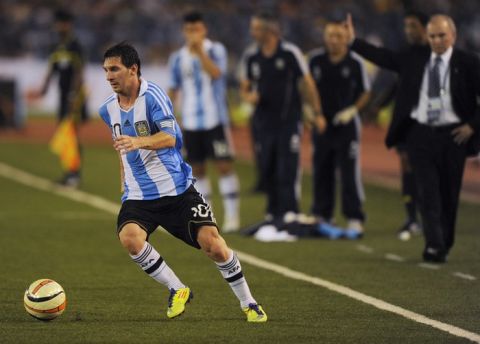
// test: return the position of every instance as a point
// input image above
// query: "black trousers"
(64, 108)
(438, 164)
(338, 147)
(278, 159)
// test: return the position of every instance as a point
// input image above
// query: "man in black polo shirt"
(67, 61)
(341, 79)
(270, 76)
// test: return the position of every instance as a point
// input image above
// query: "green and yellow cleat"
(177, 300)
(255, 313)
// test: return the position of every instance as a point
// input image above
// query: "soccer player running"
(341, 79)
(157, 184)
(198, 70)
(270, 75)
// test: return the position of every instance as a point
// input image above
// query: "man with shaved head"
(438, 117)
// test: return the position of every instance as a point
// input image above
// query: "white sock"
(153, 264)
(231, 270)
(229, 188)
(203, 187)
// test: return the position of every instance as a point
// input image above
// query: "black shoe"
(71, 179)
(432, 255)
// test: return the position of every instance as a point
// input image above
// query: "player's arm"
(175, 78)
(208, 64)
(382, 57)
(125, 143)
(363, 100)
(313, 99)
(46, 81)
(35, 94)
(247, 93)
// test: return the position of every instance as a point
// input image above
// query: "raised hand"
(350, 28)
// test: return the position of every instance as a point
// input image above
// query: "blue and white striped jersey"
(204, 103)
(149, 174)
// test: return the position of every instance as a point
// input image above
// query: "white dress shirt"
(447, 114)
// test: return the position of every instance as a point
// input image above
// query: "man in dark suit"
(438, 117)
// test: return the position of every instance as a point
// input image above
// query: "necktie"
(434, 79)
(434, 110)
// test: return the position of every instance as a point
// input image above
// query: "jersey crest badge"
(345, 72)
(279, 63)
(141, 128)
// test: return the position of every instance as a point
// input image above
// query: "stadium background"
(44, 235)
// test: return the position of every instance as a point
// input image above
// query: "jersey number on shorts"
(202, 210)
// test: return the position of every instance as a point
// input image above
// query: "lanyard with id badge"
(435, 92)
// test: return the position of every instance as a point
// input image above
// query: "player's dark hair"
(127, 53)
(272, 23)
(62, 15)
(267, 16)
(421, 16)
(193, 17)
(334, 21)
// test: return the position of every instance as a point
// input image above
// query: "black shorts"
(180, 215)
(203, 144)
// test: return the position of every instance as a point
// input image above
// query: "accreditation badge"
(434, 110)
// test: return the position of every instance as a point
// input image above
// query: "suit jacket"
(410, 66)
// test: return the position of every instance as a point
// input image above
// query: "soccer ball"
(45, 299)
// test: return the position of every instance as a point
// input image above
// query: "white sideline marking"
(429, 266)
(464, 276)
(111, 207)
(364, 249)
(394, 257)
(49, 186)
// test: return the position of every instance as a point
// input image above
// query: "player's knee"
(132, 240)
(213, 245)
(219, 252)
(224, 167)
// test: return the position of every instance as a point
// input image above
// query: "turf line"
(364, 249)
(394, 257)
(33, 181)
(464, 276)
(429, 266)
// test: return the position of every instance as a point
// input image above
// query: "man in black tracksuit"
(271, 71)
(341, 79)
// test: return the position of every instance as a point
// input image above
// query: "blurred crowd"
(154, 26)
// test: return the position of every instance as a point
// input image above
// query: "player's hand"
(33, 95)
(462, 134)
(253, 97)
(195, 43)
(125, 144)
(345, 116)
(350, 28)
(320, 124)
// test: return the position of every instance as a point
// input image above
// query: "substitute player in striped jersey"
(158, 185)
(341, 79)
(198, 71)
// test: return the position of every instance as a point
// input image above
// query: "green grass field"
(110, 300)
